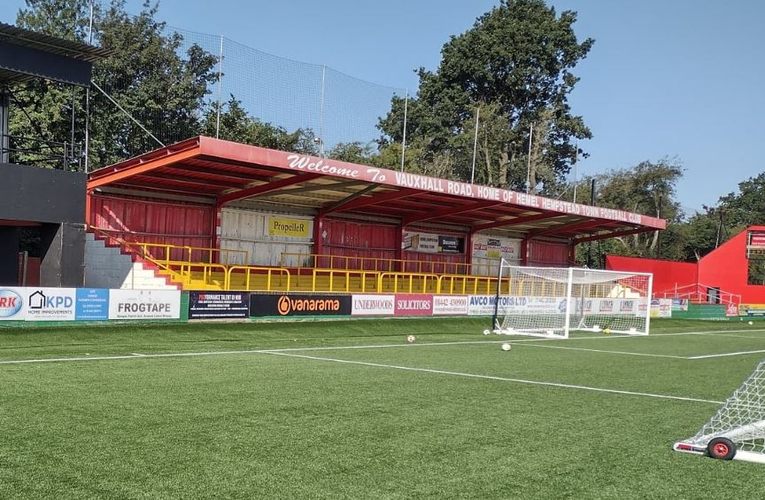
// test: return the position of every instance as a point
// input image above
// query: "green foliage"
(354, 152)
(145, 74)
(237, 125)
(515, 66)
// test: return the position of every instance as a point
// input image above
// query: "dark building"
(42, 202)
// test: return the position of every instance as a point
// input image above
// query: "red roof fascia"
(324, 166)
(144, 163)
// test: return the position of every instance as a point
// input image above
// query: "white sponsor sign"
(420, 242)
(661, 308)
(50, 304)
(496, 247)
(373, 305)
(483, 305)
(144, 304)
(450, 305)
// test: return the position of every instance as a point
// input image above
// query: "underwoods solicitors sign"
(414, 304)
(300, 305)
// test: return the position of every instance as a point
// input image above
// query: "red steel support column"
(318, 237)
(216, 233)
(525, 251)
(399, 251)
(572, 254)
(469, 253)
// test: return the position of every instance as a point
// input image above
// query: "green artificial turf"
(350, 410)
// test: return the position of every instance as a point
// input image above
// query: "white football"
(751, 323)
(411, 338)
(487, 332)
(506, 346)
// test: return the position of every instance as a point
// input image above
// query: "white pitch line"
(648, 355)
(726, 354)
(135, 355)
(493, 377)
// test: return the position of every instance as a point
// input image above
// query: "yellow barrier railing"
(213, 276)
(325, 261)
(469, 285)
(341, 280)
(276, 279)
(168, 253)
(200, 275)
(407, 282)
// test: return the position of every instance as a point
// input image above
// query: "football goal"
(551, 302)
(737, 430)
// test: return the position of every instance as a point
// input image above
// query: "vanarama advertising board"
(144, 304)
(299, 305)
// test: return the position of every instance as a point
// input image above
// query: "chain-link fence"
(336, 107)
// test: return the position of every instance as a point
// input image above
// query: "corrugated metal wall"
(153, 221)
(359, 239)
(548, 253)
(250, 231)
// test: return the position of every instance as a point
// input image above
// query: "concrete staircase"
(107, 266)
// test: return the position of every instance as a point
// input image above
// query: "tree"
(514, 65)
(747, 207)
(649, 189)
(237, 125)
(146, 75)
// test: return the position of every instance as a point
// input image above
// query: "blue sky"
(666, 78)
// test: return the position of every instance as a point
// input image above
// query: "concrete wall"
(108, 267)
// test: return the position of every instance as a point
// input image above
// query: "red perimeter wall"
(667, 274)
(727, 268)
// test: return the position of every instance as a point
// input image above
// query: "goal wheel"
(721, 448)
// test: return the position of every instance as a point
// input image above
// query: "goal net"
(551, 302)
(737, 430)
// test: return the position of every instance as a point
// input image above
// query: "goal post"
(737, 430)
(553, 301)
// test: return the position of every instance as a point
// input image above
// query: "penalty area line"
(492, 377)
(726, 354)
(605, 351)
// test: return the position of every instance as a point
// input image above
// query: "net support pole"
(494, 325)
(475, 143)
(321, 111)
(649, 297)
(403, 139)
(220, 88)
(569, 288)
